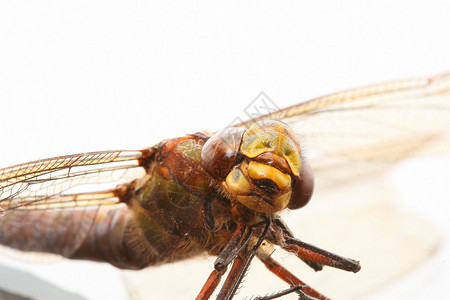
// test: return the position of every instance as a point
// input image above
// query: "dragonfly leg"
(315, 254)
(314, 265)
(241, 264)
(318, 255)
(232, 250)
(237, 272)
(235, 250)
(209, 217)
(237, 243)
(291, 279)
(293, 289)
(210, 284)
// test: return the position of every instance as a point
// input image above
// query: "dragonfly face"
(220, 194)
(259, 167)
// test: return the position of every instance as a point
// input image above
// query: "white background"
(91, 75)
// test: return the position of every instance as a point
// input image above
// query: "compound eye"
(220, 151)
(303, 188)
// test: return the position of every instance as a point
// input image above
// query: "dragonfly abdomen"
(51, 231)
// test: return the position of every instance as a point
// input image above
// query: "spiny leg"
(241, 264)
(237, 272)
(290, 278)
(287, 232)
(236, 244)
(210, 285)
(293, 289)
(315, 254)
(222, 261)
(236, 250)
(321, 256)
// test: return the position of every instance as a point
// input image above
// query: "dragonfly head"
(260, 167)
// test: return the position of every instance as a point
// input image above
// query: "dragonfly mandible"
(220, 193)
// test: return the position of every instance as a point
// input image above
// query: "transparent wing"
(361, 131)
(50, 205)
(69, 181)
(345, 137)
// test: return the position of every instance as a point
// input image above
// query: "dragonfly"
(222, 193)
